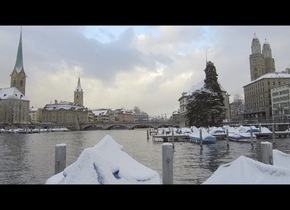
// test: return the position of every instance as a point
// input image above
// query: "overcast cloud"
(127, 66)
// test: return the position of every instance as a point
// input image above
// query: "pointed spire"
(79, 87)
(19, 59)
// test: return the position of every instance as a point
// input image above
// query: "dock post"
(200, 136)
(251, 136)
(273, 133)
(173, 138)
(60, 157)
(147, 134)
(267, 152)
(227, 132)
(167, 163)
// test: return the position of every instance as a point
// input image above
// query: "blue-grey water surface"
(29, 158)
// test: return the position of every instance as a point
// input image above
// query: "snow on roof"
(63, 105)
(11, 93)
(199, 86)
(105, 163)
(271, 75)
(33, 109)
(99, 112)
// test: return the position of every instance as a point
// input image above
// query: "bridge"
(96, 125)
(126, 125)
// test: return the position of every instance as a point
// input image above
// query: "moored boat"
(242, 137)
(201, 136)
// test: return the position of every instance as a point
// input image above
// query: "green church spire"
(19, 59)
(18, 76)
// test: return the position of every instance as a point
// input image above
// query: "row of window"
(282, 92)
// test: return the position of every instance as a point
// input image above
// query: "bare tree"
(237, 107)
(136, 109)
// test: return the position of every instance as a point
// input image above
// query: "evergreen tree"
(198, 108)
(206, 106)
(217, 99)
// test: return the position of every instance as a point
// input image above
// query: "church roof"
(64, 105)
(11, 93)
(199, 86)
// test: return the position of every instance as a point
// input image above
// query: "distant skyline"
(128, 66)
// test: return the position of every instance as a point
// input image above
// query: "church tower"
(269, 61)
(257, 64)
(18, 76)
(261, 62)
(79, 94)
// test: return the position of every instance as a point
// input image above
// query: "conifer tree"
(206, 106)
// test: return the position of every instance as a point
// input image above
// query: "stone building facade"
(257, 93)
(14, 106)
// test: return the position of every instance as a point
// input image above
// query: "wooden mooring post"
(60, 157)
(267, 152)
(167, 163)
(173, 138)
(273, 133)
(227, 137)
(251, 136)
(148, 132)
(200, 137)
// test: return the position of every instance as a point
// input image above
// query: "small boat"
(242, 137)
(203, 134)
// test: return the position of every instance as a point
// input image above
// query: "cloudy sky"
(128, 66)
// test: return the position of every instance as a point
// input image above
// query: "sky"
(108, 163)
(148, 66)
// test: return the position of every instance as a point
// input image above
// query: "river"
(29, 158)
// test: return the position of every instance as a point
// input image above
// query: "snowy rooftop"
(100, 112)
(11, 93)
(271, 75)
(199, 86)
(63, 105)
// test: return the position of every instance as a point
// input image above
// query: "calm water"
(29, 158)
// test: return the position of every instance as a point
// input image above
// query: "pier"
(167, 136)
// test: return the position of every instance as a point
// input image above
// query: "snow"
(105, 163)
(245, 170)
(64, 105)
(108, 163)
(11, 93)
(271, 75)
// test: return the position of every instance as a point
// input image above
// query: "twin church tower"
(261, 62)
(18, 77)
